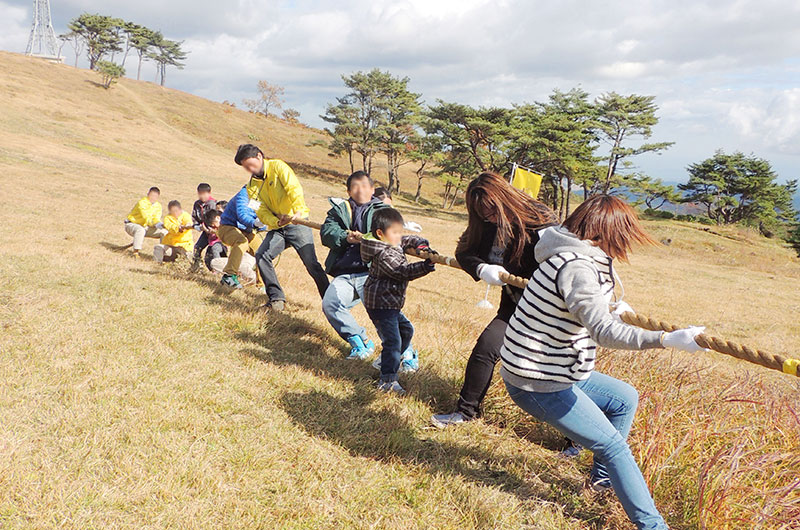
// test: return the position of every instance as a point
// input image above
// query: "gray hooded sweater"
(563, 315)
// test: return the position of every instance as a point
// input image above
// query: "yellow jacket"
(176, 238)
(145, 213)
(279, 193)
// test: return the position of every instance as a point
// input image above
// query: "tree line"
(570, 139)
(581, 146)
(103, 37)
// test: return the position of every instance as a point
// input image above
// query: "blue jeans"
(343, 294)
(395, 331)
(597, 413)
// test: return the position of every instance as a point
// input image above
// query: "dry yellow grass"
(134, 397)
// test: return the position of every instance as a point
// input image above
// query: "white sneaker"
(158, 253)
(391, 386)
(442, 421)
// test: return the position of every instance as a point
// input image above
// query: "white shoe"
(443, 421)
(158, 253)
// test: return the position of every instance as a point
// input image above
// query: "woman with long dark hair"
(500, 236)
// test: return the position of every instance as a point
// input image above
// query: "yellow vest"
(280, 193)
(145, 213)
(176, 238)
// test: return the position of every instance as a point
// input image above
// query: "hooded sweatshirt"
(563, 315)
(390, 272)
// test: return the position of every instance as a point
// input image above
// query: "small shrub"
(110, 72)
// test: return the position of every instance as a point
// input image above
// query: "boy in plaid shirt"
(385, 288)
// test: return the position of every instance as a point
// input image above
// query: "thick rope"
(745, 353)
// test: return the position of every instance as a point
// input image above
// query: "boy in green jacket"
(346, 222)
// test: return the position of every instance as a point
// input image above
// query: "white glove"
(258, 224)
(620, 308)
(160, 226)
(683, 339)
(411, 226)
(491, 273)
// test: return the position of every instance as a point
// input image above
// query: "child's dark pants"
(395, 331)
(200, 245)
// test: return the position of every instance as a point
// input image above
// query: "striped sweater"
(551, 340)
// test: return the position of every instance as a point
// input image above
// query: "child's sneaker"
(195, 264)
(409, 362)
(158, 253)
(442, 421)
(391, 386)
(358, 349)
(231, 281)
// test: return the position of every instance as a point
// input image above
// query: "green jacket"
(337, 223)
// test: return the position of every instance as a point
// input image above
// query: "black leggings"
(480, 366)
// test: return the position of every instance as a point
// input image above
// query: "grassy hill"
(132, 396)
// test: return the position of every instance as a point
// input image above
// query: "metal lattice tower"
(43, 37)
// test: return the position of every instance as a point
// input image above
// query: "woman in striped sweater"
(551, 340)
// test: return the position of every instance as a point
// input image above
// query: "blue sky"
(726, 74)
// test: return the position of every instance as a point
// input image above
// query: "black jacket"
(469, 259)
(199, 210)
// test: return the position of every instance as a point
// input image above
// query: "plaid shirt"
(390, 272)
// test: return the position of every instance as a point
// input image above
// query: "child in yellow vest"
(145, 220)
(178, 241)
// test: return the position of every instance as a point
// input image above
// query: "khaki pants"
(247, 272)
(167, 253)
(238, 244)
(139, 232)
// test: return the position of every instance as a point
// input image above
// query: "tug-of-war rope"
(768, 360)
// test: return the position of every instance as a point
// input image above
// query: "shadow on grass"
(367, 428)
(114, 247)
(288, 340)
(95, 83)
(354, 422)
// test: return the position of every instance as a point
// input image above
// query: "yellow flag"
(527, 181)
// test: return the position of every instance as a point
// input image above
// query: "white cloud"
(773, 126)
(15, 27)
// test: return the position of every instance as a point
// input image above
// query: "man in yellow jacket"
(277, 198)
(178, 241)
(144, 220)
